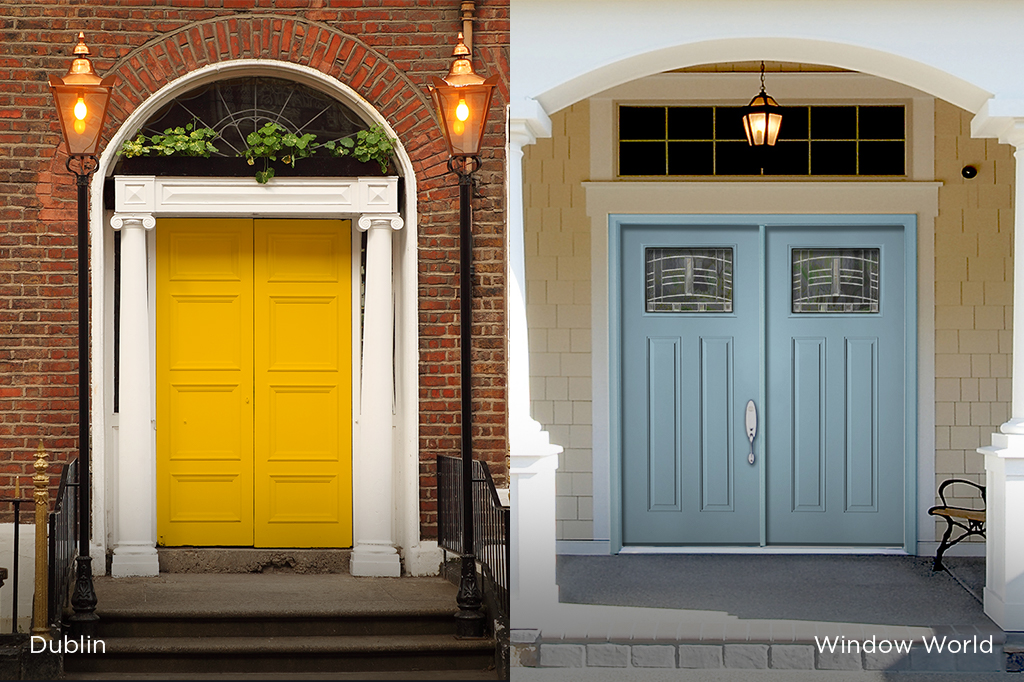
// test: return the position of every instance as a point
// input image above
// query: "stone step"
(357, 622)
(283, 654)
(252, 560)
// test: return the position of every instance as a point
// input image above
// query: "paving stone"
(700, 656)
(921, 659)
(607, 655)
(792, 656)
(1015, 662)
(654, 656)
(977, 663)
(838, 660)
(892, 660)
(562, 655)
(749, 656)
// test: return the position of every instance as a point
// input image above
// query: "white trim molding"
(172, 196)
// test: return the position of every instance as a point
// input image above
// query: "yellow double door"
(254, 382)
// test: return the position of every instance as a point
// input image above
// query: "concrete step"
(284, 654)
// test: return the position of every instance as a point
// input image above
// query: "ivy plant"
(369, 145)
(188, 140)
(272, 142)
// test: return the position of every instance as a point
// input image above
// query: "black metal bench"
(970, 521)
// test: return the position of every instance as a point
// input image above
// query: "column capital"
(122, 220)
(1002, 119)
(527, 122)
(382, 220)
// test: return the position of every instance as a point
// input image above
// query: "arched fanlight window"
(236, 107)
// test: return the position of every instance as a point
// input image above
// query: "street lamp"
(82, 98)
(463, 99)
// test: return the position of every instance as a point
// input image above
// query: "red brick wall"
(386, 50)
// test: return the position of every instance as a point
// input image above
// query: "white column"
(533, 458)
(135, 547)
(1004, 460)
(374, 553)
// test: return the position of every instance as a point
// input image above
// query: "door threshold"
(770, 549)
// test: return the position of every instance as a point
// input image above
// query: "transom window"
(854, 140)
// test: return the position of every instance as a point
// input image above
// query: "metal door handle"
(751, 428)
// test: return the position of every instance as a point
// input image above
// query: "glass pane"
(794, 123)
(691, 158)
(729, 123)
(641, 158)
(833, 158)
(835, 280)
(834, 123)
(736, 158)
(689, 280)
(641, 123)
(881, 123)
(881, 158)
(691, 123)
(786, 158)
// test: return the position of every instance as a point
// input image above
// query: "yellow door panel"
(204, 359)
(302, 382)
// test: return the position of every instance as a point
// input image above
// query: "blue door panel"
(842, 424)
(685, 378)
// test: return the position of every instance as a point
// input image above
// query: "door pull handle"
(751, 428)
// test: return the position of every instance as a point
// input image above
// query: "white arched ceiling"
(962, 53)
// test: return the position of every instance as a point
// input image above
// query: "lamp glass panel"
(463, 136)
(82, 139)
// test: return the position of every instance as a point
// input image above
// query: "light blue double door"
(807, 321)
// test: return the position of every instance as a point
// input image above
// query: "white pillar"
(1004, 460)
(533, 458)
(135, 548)
(374, 553)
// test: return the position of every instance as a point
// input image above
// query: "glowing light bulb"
(462, 111)
(81, 111)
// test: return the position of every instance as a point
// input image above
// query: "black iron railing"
(490, 523)
(63, 550)
(17, 502)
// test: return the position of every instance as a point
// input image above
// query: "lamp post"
(462, 100)
(82, 98)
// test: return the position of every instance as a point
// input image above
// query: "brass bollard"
(40, 610)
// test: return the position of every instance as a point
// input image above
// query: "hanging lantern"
(762, 118)
(82, 98)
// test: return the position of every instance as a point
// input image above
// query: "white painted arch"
(419, 557)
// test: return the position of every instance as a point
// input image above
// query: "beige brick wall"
(558, 308)
(973, 295)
